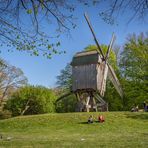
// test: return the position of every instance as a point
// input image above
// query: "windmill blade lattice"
(95, 39)
(113, 78)
(110, 46)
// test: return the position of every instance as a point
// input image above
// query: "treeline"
(130, 64)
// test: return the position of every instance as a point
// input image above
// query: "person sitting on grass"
(90, 119)
(101, 119)
(135, 108)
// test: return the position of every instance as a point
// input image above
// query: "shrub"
(30, 100)
(67, 104)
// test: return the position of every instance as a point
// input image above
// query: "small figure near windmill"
(89, 73)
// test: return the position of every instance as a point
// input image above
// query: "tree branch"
(53, 14)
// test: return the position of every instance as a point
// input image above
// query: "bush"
(67, 104)
(31, 100)
(5, 114)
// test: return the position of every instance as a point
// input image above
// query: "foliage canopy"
(134, 69)
(30, 100)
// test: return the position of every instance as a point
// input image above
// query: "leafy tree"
(30, 100)
(134, 69)
(22, 22)
(135, 58)
(64, 80)
(115, 102)
(64, 85)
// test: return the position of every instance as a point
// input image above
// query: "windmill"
(90, 70)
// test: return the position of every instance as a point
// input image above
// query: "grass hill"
(121, 129)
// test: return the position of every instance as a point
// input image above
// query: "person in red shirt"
(101, 119)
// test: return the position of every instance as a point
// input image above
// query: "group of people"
(135, 108)
(101, 119)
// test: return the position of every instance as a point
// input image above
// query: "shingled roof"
(85, 58)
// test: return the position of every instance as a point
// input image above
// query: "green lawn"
(121, 129)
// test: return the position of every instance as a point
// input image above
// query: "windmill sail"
(103, 80)
(113, 78)
(104, 67)
(97, 96)
(110, 47)
(95, 39)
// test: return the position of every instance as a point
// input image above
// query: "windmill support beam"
(88, 100)
(87, 103)
(91, 101)
(63, 96)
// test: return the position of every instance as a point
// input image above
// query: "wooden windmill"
(89, 73)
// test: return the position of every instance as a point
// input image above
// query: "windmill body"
(88, 72)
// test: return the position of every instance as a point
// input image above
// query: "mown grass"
(120, 130)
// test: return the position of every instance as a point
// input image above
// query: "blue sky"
(42, 71)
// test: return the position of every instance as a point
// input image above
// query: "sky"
(42, 71)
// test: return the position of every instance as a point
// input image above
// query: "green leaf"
(49, 46)
(29, 11)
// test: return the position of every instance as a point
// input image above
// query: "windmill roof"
(85, 58)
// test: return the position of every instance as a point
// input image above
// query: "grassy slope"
(121, 129)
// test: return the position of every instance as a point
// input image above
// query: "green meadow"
(120, 130)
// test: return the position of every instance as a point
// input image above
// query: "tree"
(135, 58)
(64, 85)
(11, 78)
(64, 80)
(22, 22)
(30, 100)
(134, 69)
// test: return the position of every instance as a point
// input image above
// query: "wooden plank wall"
(84, 77)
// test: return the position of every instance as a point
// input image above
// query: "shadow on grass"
(137, 116)
(89, 123)
(84, 123)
